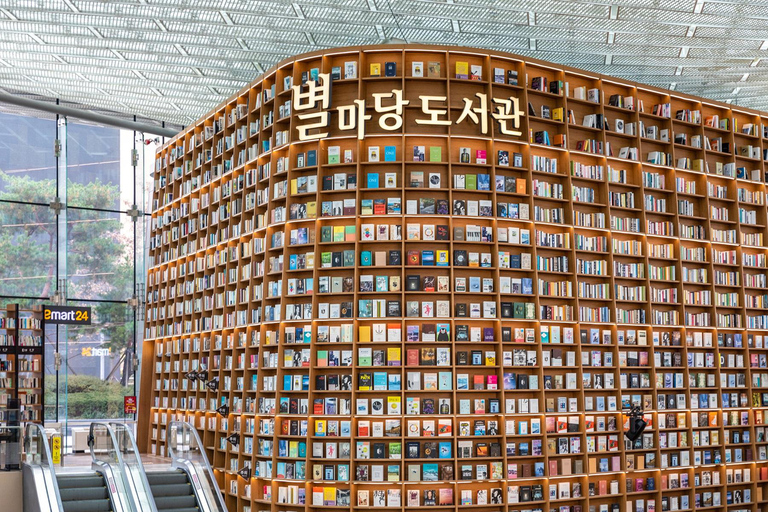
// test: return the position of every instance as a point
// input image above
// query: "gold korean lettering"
(354, 116)
(508, 110)
(392, 113)
(478, 115)
(433, 113)
(317, 92)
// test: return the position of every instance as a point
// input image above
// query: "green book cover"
(349, 258)
(326, 234)
(519, 310)
(435, 154)
(349, 233)
(471, 182)
(325, 259)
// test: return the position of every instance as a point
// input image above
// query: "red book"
(413, 357)
(553, 468)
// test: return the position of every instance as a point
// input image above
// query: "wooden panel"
(480, 306)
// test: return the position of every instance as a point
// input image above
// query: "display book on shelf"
(655, 279)
(22, 362)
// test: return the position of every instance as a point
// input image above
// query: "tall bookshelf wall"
(602, 280)
(22, 364)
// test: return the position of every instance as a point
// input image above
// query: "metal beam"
(86, 116)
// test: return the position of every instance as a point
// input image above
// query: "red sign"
(130, 405)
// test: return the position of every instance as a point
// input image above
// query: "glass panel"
(27, 160)
(27, 250)
(99, 174)
(100, 253)
(98, 359)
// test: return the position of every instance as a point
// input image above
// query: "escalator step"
(84, 493)
(172, 502)
(159, 491)
(166, 477)
(79, 481)
(87, 506)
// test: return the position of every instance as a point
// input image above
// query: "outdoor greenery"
(90, 397)
(99, 262)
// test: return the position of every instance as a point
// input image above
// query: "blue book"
(311, 157)
(445, 450)
(380, 380)
(528, 286)
(428, 258)
(483, 182)
(365, 258)
(390, 154)
(293, 263)
(429, 473)
(373, 180)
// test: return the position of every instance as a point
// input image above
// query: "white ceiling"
(173, 60)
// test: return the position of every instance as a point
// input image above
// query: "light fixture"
(636, 423)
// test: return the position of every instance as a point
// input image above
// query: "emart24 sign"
(70, 315)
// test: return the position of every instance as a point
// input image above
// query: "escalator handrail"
(47, 464)
(120, 463)
(172, 453)
(134, 449)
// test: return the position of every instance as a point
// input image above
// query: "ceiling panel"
(173, 60)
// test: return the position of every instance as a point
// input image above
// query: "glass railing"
(107, 456)
(186, 450)
(37, 453)
(136, 478)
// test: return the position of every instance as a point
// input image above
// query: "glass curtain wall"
(87, 250)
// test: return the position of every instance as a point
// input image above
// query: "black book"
(393, 258)
(379, 451)
(412, 283)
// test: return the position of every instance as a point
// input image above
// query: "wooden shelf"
(584, 303)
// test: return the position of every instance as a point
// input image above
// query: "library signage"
(69, 315)
(401, 302)
(434, 108)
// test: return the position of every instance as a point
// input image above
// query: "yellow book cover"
(490, 359)
(320, 427)
(310, 258)
(294, 187)
(557, 114)
(338, 233)
(311, 209)
(375, 69)
(462, 69)
(329, 495)
(364, 334)
(393, 356)
(293, 449)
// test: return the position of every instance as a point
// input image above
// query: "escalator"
(116, 480)
(186, 484)
(84, 493)
(101, 488)
(172, 490)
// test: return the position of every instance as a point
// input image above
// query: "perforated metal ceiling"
(173, 60)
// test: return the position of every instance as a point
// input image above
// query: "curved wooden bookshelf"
(437, 317)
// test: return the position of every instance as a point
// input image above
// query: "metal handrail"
(175, 456)
(121, 428)
(123, 485)
(46, 458)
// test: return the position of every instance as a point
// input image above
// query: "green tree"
(99, 256)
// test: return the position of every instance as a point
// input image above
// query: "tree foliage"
(99, 257)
